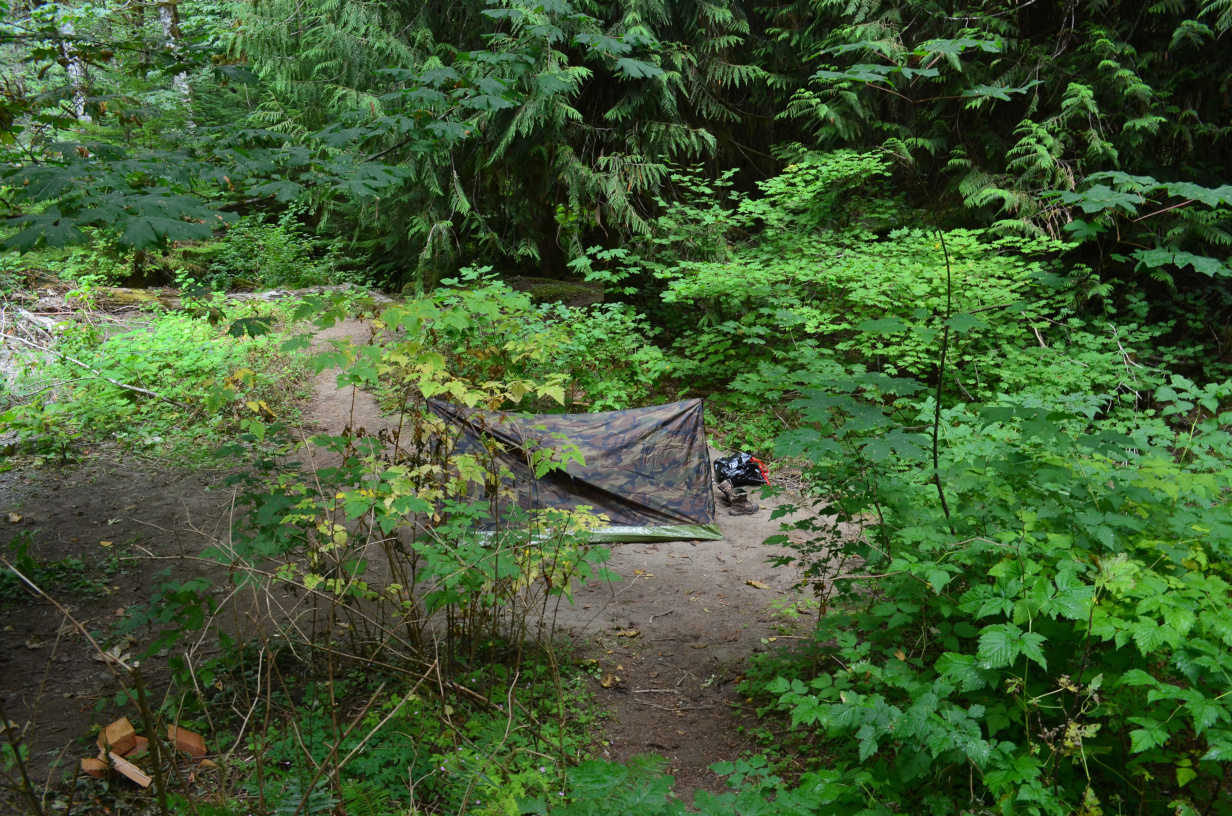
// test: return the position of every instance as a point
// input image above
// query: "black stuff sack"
(742, 470)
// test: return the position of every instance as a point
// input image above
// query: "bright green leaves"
(1001, 645)
(1157, 258)
(637, 69)
(1152, 734)
(999, 92)
(1071, 598)
(966, 671)
(1100, 197)
(1182, 395)
(883, 325)
(1073, 572)
(963, 323)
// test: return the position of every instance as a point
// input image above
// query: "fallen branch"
(672, 708)
(661, 615)
(98, 373)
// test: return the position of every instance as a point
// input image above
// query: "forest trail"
(699, 609)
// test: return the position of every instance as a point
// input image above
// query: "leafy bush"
(599, 357)
(1043, 625)
(266, 255)
(827, 281)
(195, 368)
(95, 264)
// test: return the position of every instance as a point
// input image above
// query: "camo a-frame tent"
(646, 469)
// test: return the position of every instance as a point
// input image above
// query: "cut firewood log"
(187, 741)
(140, 749)
(96, 768)
(130, 770)
(119, 736)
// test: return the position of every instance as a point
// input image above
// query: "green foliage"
(183, 359)
(45, 429)
(261, 255)
(821, 283)
(90, 265)
(598, 356)
(1049, 610)
(484, 768)
(1020, 213)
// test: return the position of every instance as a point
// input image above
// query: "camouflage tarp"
(647, 469)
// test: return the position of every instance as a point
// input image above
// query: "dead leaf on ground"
(131, 507)
(35, 643)
(15, 518)
(629, 633)
(116, 655)
(113, 521)
(757, 585)
(699, 645)
(608, 680)
(732, 636)
(900, 655)
(105, 543)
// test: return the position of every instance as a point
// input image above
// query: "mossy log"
(122, 298)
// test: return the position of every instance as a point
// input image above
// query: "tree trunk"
(76, 70)
(169, 16)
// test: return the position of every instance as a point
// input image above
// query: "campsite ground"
(698, 611)
(669, 640)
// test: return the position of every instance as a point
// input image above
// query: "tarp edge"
(665, 532)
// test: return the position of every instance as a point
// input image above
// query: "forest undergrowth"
(960, 268)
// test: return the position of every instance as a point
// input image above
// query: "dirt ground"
(670, 639)
(113, 514)
(699, 610)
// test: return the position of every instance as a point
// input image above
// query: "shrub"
(194, 367)
(269, 255)
(1041, 624)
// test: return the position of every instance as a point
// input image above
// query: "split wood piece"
(130, 770)
(96, 768)
(187, 741)
(140, 749)
(119, 737)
